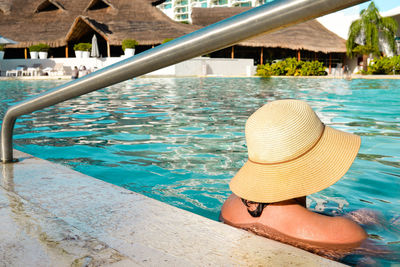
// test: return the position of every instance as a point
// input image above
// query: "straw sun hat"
(291, 153)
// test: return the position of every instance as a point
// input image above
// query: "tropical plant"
(264, 70)
(312, 68)
(367, 31)
(385, 65)
(44, 48)
(39, 48)
(34, 48)
(83, 47)
(291, 67)
(129, 43)
(166, 40)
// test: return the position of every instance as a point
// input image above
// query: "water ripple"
(181, 140)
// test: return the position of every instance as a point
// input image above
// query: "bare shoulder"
(299, 223)
(344, 231)
(295, 222)
(234, 213)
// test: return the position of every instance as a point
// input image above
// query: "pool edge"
(50, 214)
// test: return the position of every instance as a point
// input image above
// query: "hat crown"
(281, 131)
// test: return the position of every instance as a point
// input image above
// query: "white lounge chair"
(58, 70)
(11, 73)
(35, 70)
(46, 71)
(20, 70)
(67, 70)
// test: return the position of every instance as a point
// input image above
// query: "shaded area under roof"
(49, 5)
(310, 35)
(99, 4)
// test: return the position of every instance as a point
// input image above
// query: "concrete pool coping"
(51, 215)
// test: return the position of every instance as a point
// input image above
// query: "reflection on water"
(181, 140)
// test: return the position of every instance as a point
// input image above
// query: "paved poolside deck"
(51, 215)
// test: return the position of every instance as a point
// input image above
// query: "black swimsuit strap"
(258, 211)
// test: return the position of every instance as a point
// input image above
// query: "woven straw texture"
(21, 20)
(291, 153)
(310, 35)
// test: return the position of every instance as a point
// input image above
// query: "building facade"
(181, 10)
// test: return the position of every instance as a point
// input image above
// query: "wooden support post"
(330, 63)
(233, 52)
(262, 55)
(26, 53)
(315, 56)
(298, 55)
(108, 49)
(66, 51)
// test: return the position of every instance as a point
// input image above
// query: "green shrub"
(44, 47)
(396, 64)
(129, 43)
(312, 68)
(278, 68)
(39, 48)
(166, 40)
(1, 47)
(385, 65)
(264, 70)
(83, 47)
(34, 48)
(291, 67)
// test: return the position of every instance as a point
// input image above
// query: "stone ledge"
(51, 215)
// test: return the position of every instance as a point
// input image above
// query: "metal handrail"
(265, 18)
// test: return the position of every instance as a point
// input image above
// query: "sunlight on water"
(181, 140)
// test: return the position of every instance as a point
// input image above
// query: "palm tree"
(367, 31)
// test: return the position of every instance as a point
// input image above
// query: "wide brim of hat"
(314, 171)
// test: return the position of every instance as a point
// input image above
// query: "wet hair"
(259, 209)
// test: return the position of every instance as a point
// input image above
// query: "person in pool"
(292, 154)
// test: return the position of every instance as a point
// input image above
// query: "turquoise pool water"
(181, 140)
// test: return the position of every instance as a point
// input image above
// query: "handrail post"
(265, 18)
(6, 138)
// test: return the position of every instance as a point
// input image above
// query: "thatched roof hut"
(62, 22)
(5, 7)
(310, 35)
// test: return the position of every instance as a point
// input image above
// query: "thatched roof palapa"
(82, 25)
(62, 22)
(309, 35)
(49, 5)
(5, 7)
(57, 22)
(98, 4)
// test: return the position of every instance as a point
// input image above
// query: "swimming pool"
(181, 140)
